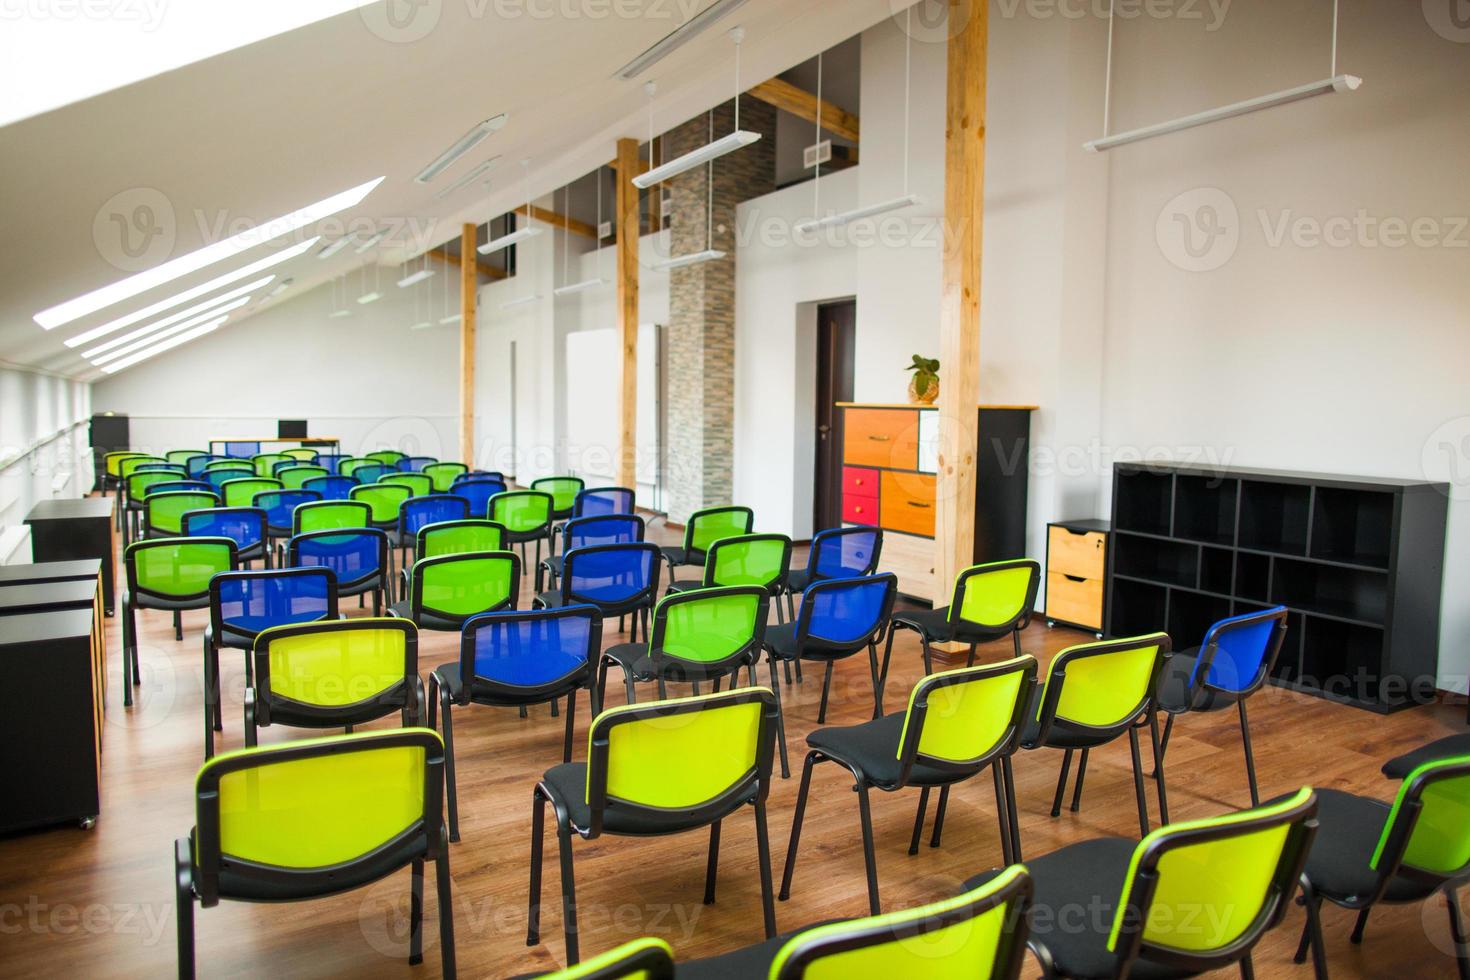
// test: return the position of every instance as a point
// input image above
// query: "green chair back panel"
(709, 629)
(383, 499)
(139, 483)
(962, 949)
(750, 562)
(128, 464)
(467, 586)
(993, 598)
(346, 467)
(305, 455)
(182, 456)
(617, 963)
(563, 490)
(388, 457)
(331, 515)
(112, 462)
(965, 721)
(293, 477)
(181, 568)
(335, 667)
(165, 511)
(418, 485)
(682, 759)
(315, 812)
(241, 493)
(459, 539)
(520, 512)
(1440, 842)
(442, 474)
(1102, 690)
(709, 528)
(264, 463)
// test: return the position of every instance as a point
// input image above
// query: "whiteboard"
(591, 407)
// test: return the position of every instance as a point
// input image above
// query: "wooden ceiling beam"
(484, 268)
(803, 104)
(549, 217)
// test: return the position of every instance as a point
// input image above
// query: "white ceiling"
(259, 131)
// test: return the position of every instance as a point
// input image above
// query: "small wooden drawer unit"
(1076, 572)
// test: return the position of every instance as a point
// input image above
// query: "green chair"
(705, 527)
(265, 463)
(1094, 694)
(111, 463)
(309, 819)
(980, 934)
(564, 491)
(388, 457)
(958, 724)
(1188, 899)
(418, 484)
(446, 591)
(349, 465)
(641, 959)
(990, 602)
(163, 513)
(301, 453)
(167, 573)
(1372, 853)
(135, 490)
(660, 768)
(322, 515)
(443, 474)
(243, 465)
(525, 515)
(456, 538)
(335, 674)
(128, 465)
(241, 493)
(746, 559)
(294, 477)
(182, 456)
(384, 500)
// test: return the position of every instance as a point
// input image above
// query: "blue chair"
(331, 487)
(477, 489)
(180, 486)
(244, 525)
(371, 473)
(415, 512)
(331, 461)
(218, 477)
(161, 468)
(194, 468)
(242, 450)
(598, 501)
(414, 464)
(589, 532)
(357, 556)
(242, 605)
(514, 659)
(839, 552)
(1232, 663)
(279, 506)
(619, 579)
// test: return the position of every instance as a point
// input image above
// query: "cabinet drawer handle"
(1074, 578)
(880, 438)
(915, 503)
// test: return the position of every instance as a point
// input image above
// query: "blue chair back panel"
(415, 512)
(1240, 651)
(609, 576)
(331, 487)
(351, 555)
(847, 612)
(255, 604)
(177, 486)
(587, 532)
(195, 466)
(217, 478)
(415, 464)
(844, 553)
(529, 651)
(245, 525)
(371, 473)
(477, 490)
(613, 500)
(279, 505)
(242, 450)
(330, 460)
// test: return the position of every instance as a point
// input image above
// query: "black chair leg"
(806, 785)
(1360, 925)
(1002, 814)
(939, 816)
(780, 716)
(130, 642)
(970, 661)
(443, 885)
(1247, 968)
(928, 658)
(184, 906)
(450, 779)
(533, 903)
(178, 626)
(568, 890)
(1056, 803)
(1138, 782)
(712, 868)
(1077, 787)
(1163, 744)
(1312, 935)
(566, 748)
(1012, 816)
(1457, 933)
(555, 708)
(870, 859)
(919, 821)
(416, 913)
(877, 687)
(826, 689)
(883, 673)
(763, 842)
(1153, 734)
(1250, 759)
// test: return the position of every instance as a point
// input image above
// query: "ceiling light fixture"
(566, 288)
(460, 147)
(414, 278)
(367, 298)
(519, 301)
(281, 287)
(168, 321)
(335, 247)
(370, 241)
(845, 217)
(469, 178)
(194, 292)
(169, 344)
(520, 234)
(678, 37)
(693, 258)
(710, 252)
(171, 331)
(141, 282)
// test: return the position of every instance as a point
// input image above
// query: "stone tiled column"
(701, 332)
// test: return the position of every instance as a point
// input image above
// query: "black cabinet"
(108, 433)
(66, 530)
(1358, 562)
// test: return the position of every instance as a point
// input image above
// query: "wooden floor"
(100, 902)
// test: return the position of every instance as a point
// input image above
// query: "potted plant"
(924, 386)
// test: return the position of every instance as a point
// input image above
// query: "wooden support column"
(959, 311)
(468, 286)
(627, 248)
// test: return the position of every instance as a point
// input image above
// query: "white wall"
(44, 450)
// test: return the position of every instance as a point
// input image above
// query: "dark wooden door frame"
(835, 364)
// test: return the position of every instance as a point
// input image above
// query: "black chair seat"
(554, 564)
(568, 786)
(1337, 864)
(426, 620)
(452, 680)
(1448, 747)
(679, 556)
(781, 640)
(798, 579)
(367, 584)
(686, 585)
(934, 626)
(1174, 686)
(231, 639)
(159, 602)
(1077, 892)
(549, 600)
(742, 964)
(249, 888)
(872, 748)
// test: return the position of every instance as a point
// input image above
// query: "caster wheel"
(1098, 635)
(1051, 624)
(87, 823)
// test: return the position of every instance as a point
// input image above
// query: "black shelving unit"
(1357, 561)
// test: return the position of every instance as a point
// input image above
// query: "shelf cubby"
(1191, 614)
(1252, 576)
(1137, 608)
(1216, 570)
(1162, 562)
(1204, 509)
(1342, 658)
(1147, 502)
(1352, 526)
(1330, 590)
(1274, 517)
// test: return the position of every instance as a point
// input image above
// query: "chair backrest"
(195, 466)
(280, 505)
(353, 554)
(241, 493)
(163, 513)
(302, 453)
(227, 463)
(477, 490)
(526, 652)
(182, 456)
(642, 959)
(295, 477)
(981, 935)
(459, 537)
(128, 465)
(707, 526)
(176, 568)
(331, 487)
(587, 532)
(1427, 833)
(315, 806)
(595, 501)
(460, 586)
(174, 468)
(995, 595)
(242, 448)
(1238, 653)
(371, 471)
(611, 576)
(521, 511)
(246, 602)
(220, 474)
(1103, 686)
(140, 482)
(265, 463)
(749, 559)
(349, 465)
(1199, 892)
(418, 485)
(563, 490)
(707, 754)
(444, 474)
(415, 512)
(112, 462)
(389, 457)
(843, 614)
(716, 627)
(332, 462)
(243, 525)
(844, 552)
(336, 664)
(384, 499)
(415, 464)
(176, 485)
(325, 515)
(959, 720)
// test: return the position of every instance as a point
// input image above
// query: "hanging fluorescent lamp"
(519, 301)
(284, 285)
(566, 288)
(694, 158)
(461, 146)
(141, 282)
(168, 321)
(367, 298)
(579, 287)
(519, 235)
(335, 247)
(414, 278)
(171, 331)
(169, 344)
(469, 178)
(339, 314)
(452, 318)
(677, 38)
(693, 258)
(856, 214)
(421, 325)
(370, 241)
(193, 292)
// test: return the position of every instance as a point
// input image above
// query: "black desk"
(33, 597)
(51, 571)
(50, 719)
(62, 530)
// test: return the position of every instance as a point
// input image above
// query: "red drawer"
(859, 510)
(858, 481)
